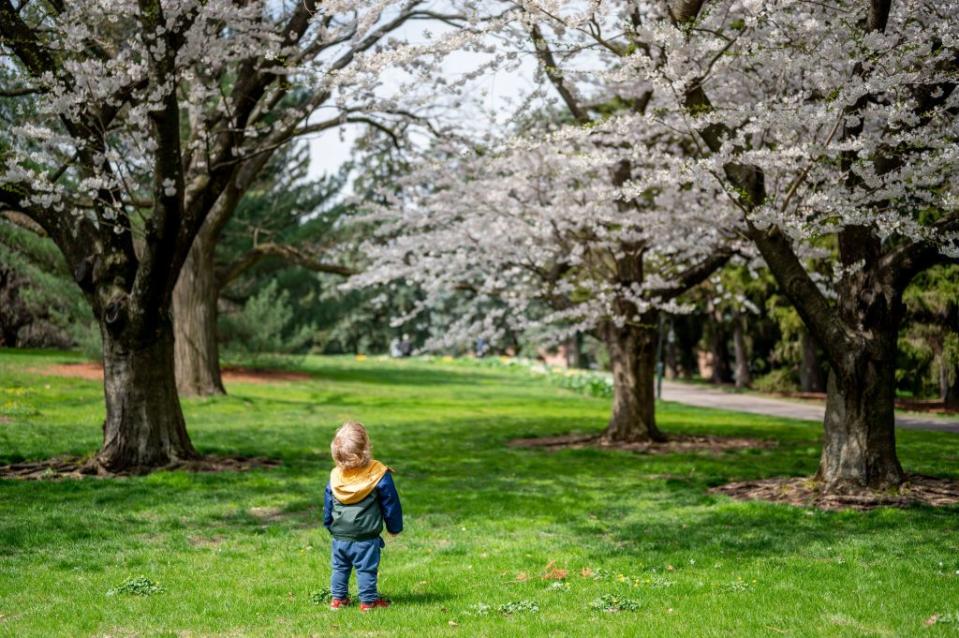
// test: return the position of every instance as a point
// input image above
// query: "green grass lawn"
(239, 554)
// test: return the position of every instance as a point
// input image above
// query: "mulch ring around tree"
(674, 444)
(807, 492)
(76, 467)
(94, 372)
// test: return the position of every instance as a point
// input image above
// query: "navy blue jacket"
(389, 504)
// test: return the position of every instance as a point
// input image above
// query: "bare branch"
(555, 75)
(694, 275)
(286, 252)
(20, 92)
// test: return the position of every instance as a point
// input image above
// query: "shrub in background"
(779, 380)
(264, 331)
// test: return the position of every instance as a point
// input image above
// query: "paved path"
(706, 397)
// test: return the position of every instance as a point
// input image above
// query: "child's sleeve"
(390, 504)
(327, 507)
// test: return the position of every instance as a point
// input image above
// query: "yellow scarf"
(353, 485)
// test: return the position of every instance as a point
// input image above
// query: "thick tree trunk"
(197, 353)
(742, 376)
(810, 376)
(858, 335)
(144, 425)
(632, 356)
(859, 446)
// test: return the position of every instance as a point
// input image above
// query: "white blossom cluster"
(849, 127)
(532, 236)
(82, 144)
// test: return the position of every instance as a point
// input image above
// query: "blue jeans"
(365, 557)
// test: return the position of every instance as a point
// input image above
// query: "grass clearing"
(646, 550)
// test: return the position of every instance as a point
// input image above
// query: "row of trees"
(686, 138)
(808, 134)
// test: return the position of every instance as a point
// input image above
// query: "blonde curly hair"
(351, 446)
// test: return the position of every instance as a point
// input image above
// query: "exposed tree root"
(917, 490)
(74, 467)
(672, 445)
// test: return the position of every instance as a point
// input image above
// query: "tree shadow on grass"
(744, 531)
(418, 598)
(467, 474)
(411, 376)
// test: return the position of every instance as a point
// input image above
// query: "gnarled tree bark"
(859, 337)
(632, 356)
(859, 446)
(144, 426)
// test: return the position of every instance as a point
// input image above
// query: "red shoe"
(336, 603)
(379, 602)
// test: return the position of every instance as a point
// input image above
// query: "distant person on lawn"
(359, 499)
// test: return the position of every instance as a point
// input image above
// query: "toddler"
(359, 499)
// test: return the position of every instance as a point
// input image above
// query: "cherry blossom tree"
(137, 126)
(827, 124)
(581, 253)
(533, 236)
(588, 103)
